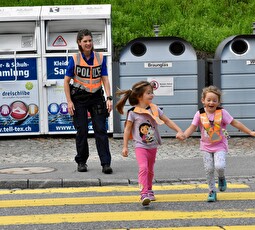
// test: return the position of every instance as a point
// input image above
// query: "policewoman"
(84, 94)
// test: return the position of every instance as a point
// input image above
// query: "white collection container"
(59, 28)
(20, 71)
(35, 44)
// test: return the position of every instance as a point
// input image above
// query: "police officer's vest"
(153, 112)
(213, 131)
(88, 77)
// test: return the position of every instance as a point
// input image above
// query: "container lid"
(76, 12)
(28, 13)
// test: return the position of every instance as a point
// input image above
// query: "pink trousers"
(146, 160)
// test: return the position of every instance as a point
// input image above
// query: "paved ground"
(39, 162)
(62, 149)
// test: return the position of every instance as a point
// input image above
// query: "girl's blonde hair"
(132, 95)
(211, 89)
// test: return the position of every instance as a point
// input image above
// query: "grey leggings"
(214, 161)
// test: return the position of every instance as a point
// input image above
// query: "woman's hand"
(109, 105)
(71, 108)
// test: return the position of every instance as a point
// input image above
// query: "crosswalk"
(180, 207)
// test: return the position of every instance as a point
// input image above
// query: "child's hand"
(252, 133)
(125, 152)
(180, 136)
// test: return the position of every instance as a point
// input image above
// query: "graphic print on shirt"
(146, 132)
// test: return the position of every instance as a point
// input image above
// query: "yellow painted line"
(122, 216)
(104, 189)
(180, 228)
(246, 227)
(241, 227)
(122, 199)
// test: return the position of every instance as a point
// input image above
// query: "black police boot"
(107, 169)
(82, 167)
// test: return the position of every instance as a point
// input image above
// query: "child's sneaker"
(145, 200)
(151, 195)
(222, 184)
(212, 196)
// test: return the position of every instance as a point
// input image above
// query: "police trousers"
(93, 108)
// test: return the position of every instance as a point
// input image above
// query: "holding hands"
(252, 133)
(180, 136)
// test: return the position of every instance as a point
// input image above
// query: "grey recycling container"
(234, 73)
(171, 64)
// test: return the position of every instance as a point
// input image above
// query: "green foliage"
(203, 23)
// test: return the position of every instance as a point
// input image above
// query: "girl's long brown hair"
(132, 95)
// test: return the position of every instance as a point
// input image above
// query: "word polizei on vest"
(86, 72)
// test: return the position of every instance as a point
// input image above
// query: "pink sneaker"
(151, 195)
(145, 200)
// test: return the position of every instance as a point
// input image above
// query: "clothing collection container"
(59, 28)
(35, 45)
(20, 71)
